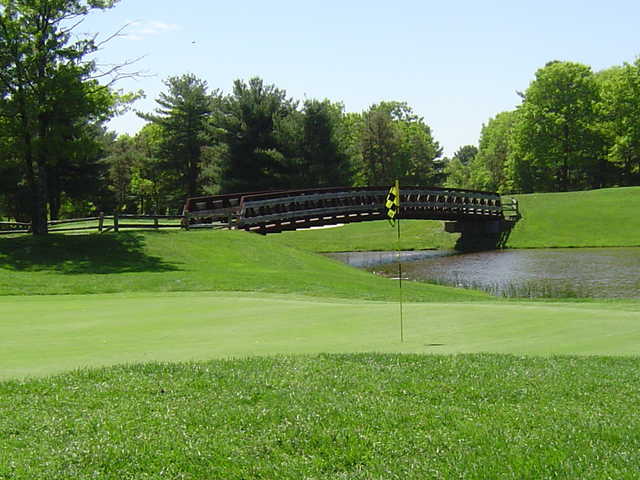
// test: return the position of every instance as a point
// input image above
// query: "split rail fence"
(101, 223)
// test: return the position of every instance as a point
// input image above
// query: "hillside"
(371, 236)
(596, 218)
(190, 261)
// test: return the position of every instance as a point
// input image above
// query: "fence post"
(100, 222)
(155, 222)
(115, 221)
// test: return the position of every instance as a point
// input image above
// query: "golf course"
(226, 354)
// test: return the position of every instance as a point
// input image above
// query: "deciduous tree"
(396, 144)
(556, 140)
(45, 84)
(620, 89)
(488, 167)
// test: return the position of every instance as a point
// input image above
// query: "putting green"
(41, 335)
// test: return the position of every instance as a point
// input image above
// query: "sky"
(456, 63)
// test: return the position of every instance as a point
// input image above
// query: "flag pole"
(400, 284)
(392, 205)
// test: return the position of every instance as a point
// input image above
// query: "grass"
(595, 218)
(76, 331)
(189, 261)
(310, 402)
(372, 236)
(329, 417)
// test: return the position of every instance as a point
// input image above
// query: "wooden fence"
(102, 223)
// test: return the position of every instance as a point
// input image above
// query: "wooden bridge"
(476, 212)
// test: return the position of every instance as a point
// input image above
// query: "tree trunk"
(36, 174)
(53, 193)
(39, 224)
(564, 168)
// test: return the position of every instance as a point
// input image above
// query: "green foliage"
(488, 167)
(182, 118)
(621, 110)
(257, 138)
(574, 130)
(48, 97)
(325, 162)
(395, 144)
(247, 121)
(459, 168)
(555, 137)
(163, 193)
(121, 161)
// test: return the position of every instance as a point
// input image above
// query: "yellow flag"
(393, 201)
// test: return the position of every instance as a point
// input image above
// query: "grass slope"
(329, 417)
(596, 218)
(189, 261)
(40, 335)
(372, 236)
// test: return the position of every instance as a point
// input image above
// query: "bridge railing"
(286, 210)
(511, 209)
(295, 209)
(216, 207)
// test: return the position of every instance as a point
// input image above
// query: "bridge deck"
(276, 211)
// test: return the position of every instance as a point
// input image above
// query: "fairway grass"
(596, 218)
(41, 335)
(371, 236)
(191, 261)
(327, 417)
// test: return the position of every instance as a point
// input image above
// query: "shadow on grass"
(77, 254)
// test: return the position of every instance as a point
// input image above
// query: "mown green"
(367, 416)
(41, 335)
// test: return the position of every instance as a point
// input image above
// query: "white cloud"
(141, 29)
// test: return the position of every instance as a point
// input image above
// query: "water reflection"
(584, 272)
(372, 259)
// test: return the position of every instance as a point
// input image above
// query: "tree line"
(575, 129)
(256, 138)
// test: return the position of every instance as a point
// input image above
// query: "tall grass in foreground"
(329, 417)
(534, 288)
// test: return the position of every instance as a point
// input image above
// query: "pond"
(553, 273)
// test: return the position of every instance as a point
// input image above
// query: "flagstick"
(400, 284)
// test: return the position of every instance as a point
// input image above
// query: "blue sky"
(457, 63)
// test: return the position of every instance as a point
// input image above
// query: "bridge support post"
(478, 235)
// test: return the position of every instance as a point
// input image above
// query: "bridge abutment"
(478, 235)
